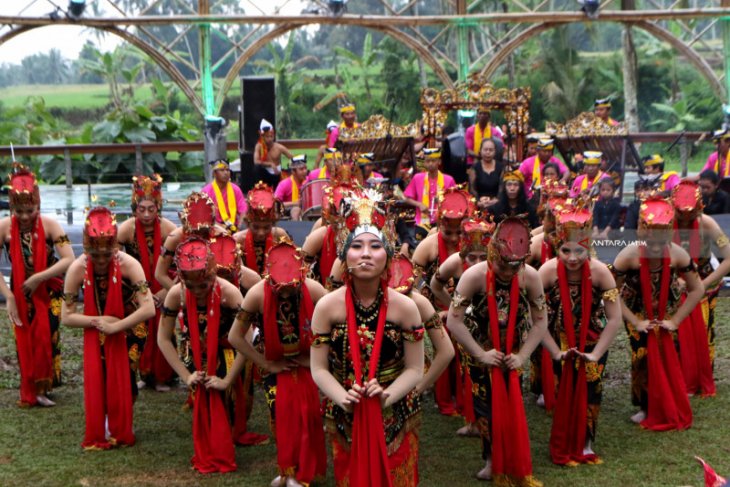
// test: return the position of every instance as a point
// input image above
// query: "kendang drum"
(312, 196)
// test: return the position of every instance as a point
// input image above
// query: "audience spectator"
(716, 201)
(606, 211)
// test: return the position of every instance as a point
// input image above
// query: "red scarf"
(368, 453)
(212, 439)
(694, 349)
(443, 250)
(250, 250)
(669, 407)
(152, 361)
(300, 443)
(546, 367)
(327, 255)
(510, 441)
(33, 339)
(107, 389)
(568, 435)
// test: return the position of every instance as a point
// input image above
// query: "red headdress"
(475, 236)
(510, 243)
(284, 265)
(455, 204)
(147, 187)
(656, 212)
(687, 198)
(574, 223)
(333, 197)
(551, 188)
(263, 206)
(100, 230)
(194, 260)
(364, 212)
(23, 187)
(198, 212)
(402, 274)
(227, 256)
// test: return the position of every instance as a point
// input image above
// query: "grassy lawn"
(66, 96)
(41, 446)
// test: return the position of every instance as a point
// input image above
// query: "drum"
(312, 194)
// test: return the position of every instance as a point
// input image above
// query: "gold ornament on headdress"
(23, 187)
(147, 187)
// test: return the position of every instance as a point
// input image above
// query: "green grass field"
(66, 96)
(41, 446)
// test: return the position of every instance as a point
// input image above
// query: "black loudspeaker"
(258, 100)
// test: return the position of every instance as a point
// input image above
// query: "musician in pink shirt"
(289, 190)
(531, 168)
(422, 192)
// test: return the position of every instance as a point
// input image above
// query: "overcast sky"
(70, 39)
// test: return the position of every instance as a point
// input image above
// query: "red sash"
(546, 368)
(511, 455)
(368, 454)
(327, 255)
(443, 250)
(108, 389)
(212, 439)
(568, 434)
(152, 361)
(669, 407)
(273, 350)
(694, 349)
(33, 339)
(249, 249)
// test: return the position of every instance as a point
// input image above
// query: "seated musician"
(289, 190)
(366, 163)
(267, 155)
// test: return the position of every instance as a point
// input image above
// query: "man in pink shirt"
(481, 130)
(654, 169)
(349, 120)
(719, 161)
(326, 171)
(230, 205)
(591, 174)
(365, 162)
(422, 192)
(289, 190)
(531, 168)
(602, 110)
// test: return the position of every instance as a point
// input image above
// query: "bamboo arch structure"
(655, 30)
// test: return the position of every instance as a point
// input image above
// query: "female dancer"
(367, 355)
(585, 314)
(36, 287)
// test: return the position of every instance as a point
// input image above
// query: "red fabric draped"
(299, 432)
(511, 455)
(694, 351)
(327, 255)
(568, 435)
(443, 250)
(212, 439)
(250, 251)
(33, 339)
(368, 453)
(152, 361)
(694, 348)
(106, 396)
(273, 350)
(546, 368)
(669, 407)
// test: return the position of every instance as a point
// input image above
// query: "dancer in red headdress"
(210, 306)
(700, 236)
(585, 314)
(509, 310)
(475, 236)
(264, 210)
(116, 298)
(283, 304)
(142, 236)
(367, 355)
(648, 276)
(455, 205)
(36, 287)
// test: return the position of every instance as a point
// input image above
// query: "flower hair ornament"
(23, 187)
(100, 230)
(198, 212)
(147, 187)
(263, 205)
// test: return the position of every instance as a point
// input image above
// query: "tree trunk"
(630, 69)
